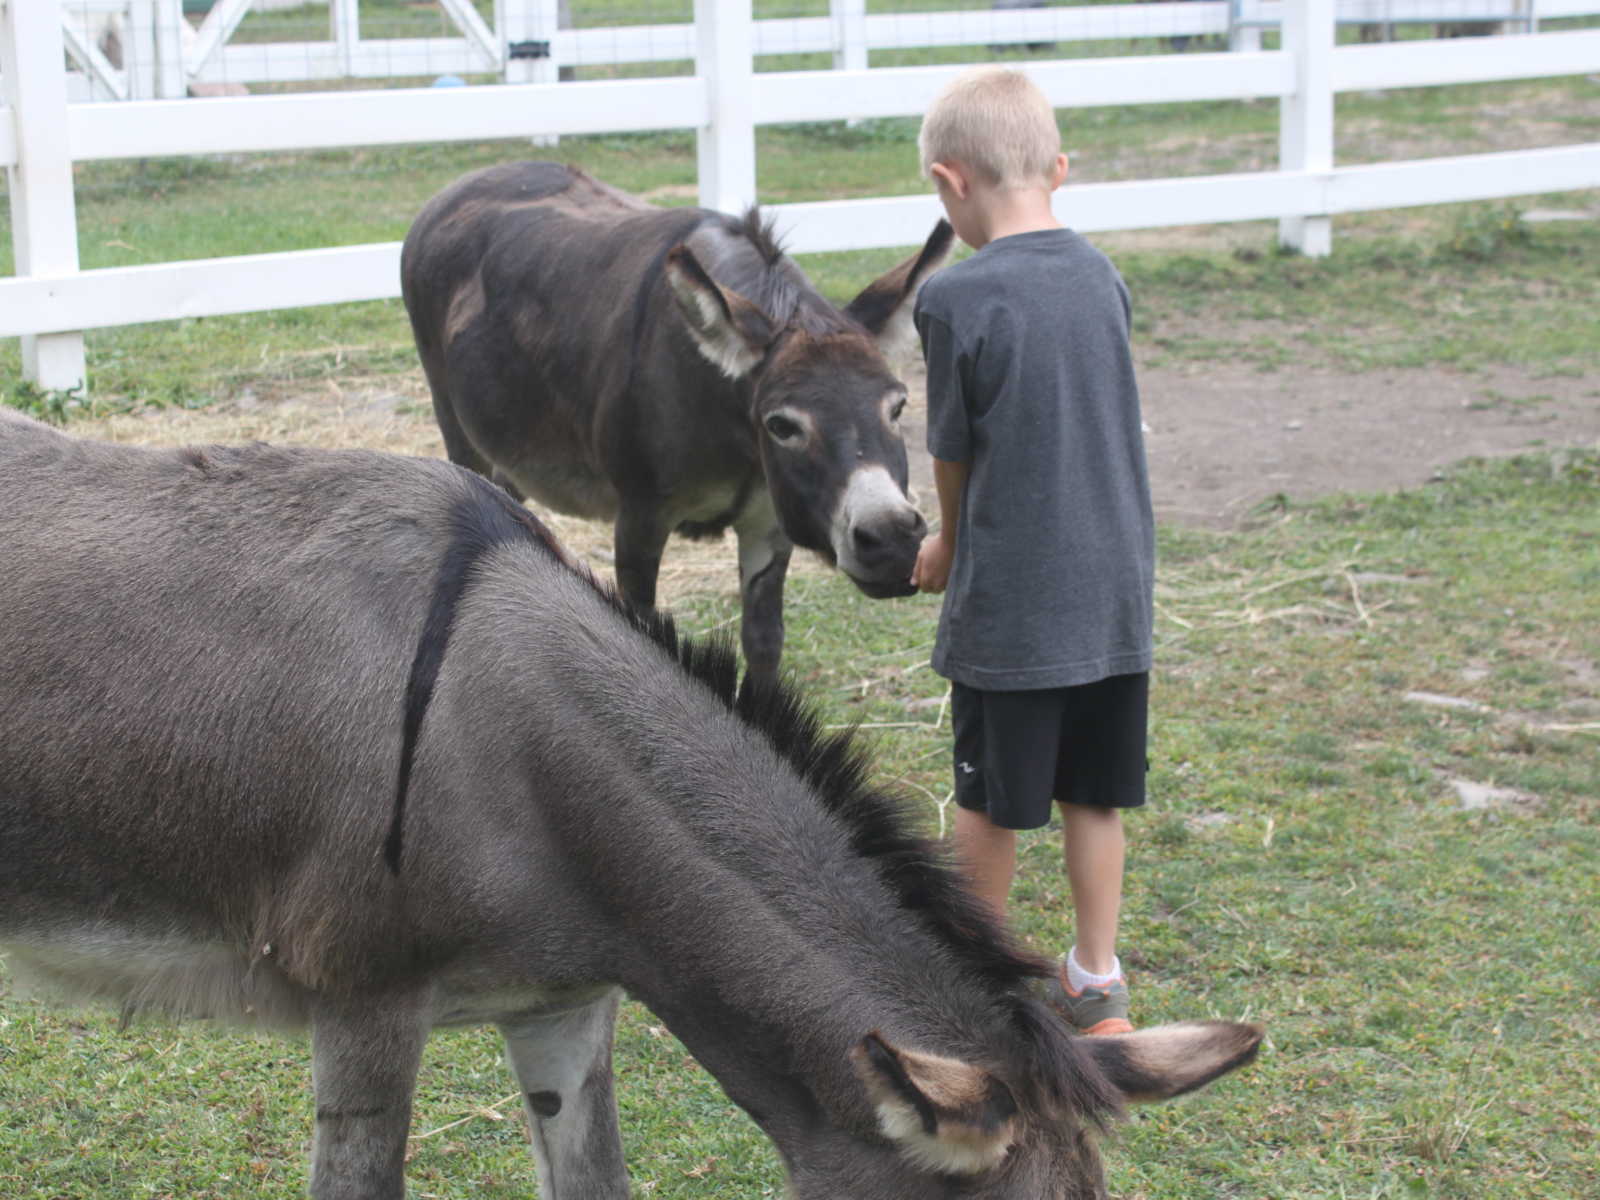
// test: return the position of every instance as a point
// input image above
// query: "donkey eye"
(783, 428)
(898, 408)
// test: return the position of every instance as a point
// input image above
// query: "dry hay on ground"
(397, 425)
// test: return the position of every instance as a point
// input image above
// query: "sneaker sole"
(1109, 1026)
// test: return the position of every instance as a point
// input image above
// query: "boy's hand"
(932, 572)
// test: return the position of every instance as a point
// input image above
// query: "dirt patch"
(1224, 439)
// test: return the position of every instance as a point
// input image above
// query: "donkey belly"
(562, 482)
(174, 972)
(510, 1005)
(539, 446)
(568, 484)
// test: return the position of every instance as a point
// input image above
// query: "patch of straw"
(1209, 596)
(347, 418)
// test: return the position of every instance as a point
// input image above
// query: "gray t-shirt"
(1030, 381)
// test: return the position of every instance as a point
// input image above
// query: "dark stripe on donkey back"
(481, 521)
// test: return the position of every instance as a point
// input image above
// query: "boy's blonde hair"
(994, 122)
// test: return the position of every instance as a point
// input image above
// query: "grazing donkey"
(343, 739)
(668, 370)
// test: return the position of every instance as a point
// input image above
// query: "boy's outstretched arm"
(932, 571)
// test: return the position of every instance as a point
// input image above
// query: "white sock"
(1078, 978)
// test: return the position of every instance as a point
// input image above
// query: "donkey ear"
(730, 331)
(945, 1115)
(884, 307)
(1169, 1060)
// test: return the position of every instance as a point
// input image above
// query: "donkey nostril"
(865, 539)
(891, 530)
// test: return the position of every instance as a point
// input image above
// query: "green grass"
(1427, 974)
(1484, 288)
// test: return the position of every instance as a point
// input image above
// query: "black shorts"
(1016, 752)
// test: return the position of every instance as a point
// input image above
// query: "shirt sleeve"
(949, 421)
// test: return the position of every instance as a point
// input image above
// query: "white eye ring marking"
(789, 427)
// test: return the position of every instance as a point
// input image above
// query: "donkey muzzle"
(877, 534)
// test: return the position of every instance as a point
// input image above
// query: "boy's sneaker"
(1094, 1010)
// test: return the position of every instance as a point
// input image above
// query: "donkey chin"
(876, 534)
(884, 590)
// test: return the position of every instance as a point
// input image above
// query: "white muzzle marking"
(871, 494)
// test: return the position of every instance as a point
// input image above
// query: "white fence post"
(44, 224)
(1243, 32)
(524, 23)
(139, 49)
(850, 34)
(521, 22)
(725, 61)
(344, 20)
(171, 83)
(1305, 117)
(533, 21)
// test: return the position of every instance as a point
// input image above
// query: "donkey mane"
(749, 259)
(762, 233)
(1045, 1063)
(836, 767)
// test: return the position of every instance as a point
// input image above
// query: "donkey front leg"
(364, 1057)
(641, 536)
(764, 553)
(563, 1063)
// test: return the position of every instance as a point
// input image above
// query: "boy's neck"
(1005, 212)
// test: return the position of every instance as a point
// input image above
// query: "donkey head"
(825, 405)
(948, 1128)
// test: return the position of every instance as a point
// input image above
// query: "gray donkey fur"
(343, 740)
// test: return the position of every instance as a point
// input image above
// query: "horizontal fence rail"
(1464, 60)
(1210, 199)
(320, 120)
(50, 300)
(253, 283)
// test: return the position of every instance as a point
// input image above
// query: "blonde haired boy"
(997, 123)
(1047, 543)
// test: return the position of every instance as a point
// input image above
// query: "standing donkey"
(345, 740)
(667, 370)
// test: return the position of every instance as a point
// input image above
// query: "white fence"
(529, 41)
(50, 300)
